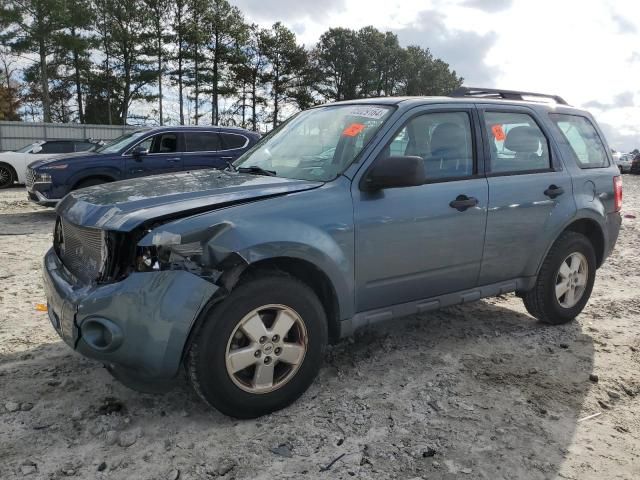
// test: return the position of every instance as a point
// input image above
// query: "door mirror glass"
(37, 149)
(395, 172)
(139, 151)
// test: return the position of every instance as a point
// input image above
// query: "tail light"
(617, 193)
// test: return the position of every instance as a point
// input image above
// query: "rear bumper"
(147, 318)
(612, 226)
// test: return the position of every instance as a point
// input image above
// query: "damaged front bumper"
(137, 327)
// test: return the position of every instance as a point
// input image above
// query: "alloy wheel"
(571, 280)
(266, 348)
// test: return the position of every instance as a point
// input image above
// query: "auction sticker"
(375, 113)
(498, 133)
(353, 130)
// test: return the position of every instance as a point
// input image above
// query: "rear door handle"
(554, 191)
(462, 202)
(174, 160)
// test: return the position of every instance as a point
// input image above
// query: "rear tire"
(565, 281)
(7, 176)
(238, 343)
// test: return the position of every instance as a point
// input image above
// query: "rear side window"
(57, 147)
(516, 142)
(201, 142)
(584, 140)
(231, 141)
(84, 146)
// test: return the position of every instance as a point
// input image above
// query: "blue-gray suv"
(346, 215)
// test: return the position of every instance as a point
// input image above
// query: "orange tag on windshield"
(498, 133)
(353, 129)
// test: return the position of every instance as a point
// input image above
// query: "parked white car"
(624, 162)
(13, 165)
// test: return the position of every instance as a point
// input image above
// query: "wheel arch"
(99, 176)
(587, 226)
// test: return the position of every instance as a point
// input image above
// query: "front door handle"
(554, 191)
(462, 202)
(174, 160)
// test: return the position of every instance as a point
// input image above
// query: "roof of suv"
(475, 95)
(172, 128)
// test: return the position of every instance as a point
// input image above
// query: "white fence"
(14, 135)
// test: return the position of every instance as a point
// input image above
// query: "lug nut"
(277, 351)
(275, 338)
(267, 360)
(263, 339)
(257, 354)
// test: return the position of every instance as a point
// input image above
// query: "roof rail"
(494, 93)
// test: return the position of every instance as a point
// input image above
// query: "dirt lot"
(479, 391)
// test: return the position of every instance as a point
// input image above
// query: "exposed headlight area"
(186, 257)
(34, 177)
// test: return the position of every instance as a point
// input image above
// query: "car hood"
(127, 204)
(50, 158)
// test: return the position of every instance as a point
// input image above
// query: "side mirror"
(394, 172)
(36, 149)
(139, 152)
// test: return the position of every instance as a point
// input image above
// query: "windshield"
(318, 144)
(119, 143)
(27, 148)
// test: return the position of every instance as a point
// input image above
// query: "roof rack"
(494, 93)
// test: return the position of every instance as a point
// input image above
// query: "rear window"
(584, 140)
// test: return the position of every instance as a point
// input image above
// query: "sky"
(586, 51)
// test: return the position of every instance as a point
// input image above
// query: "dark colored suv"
(347, 215)
(137, 154)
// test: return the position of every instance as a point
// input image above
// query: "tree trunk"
(160, 83)
(180, 93)
(254, 114)
(197, 87)
(76, 66)
(214, 87)
(44, 83)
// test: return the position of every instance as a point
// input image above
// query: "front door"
(162, 156)
(530, 193)
(423, 241)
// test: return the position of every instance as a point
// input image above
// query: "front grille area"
(81, 249)
(31, 177)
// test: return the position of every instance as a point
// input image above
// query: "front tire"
(565, 281)
(7, 176)
(261, 348)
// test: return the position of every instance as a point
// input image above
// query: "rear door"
(163, 156)
(530, 192)
(233, 144)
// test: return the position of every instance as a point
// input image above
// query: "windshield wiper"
(256, 170)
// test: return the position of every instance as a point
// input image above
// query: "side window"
(517, 144)
(201, 142)
(57, 147)
(146, 143)
(164, 143)
(584, 140)
(443, 140)
(231, 141)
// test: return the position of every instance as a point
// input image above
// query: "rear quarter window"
(586, 144)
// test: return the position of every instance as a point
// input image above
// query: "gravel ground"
(477, 391)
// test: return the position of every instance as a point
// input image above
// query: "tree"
(35, 26)
(425, 75)
(228, 32)
(195, 40)
(336, 59)
(123, 26)
(179, 16)
(75, 43)
(9, 102)
(159, 10)
(286, 63)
